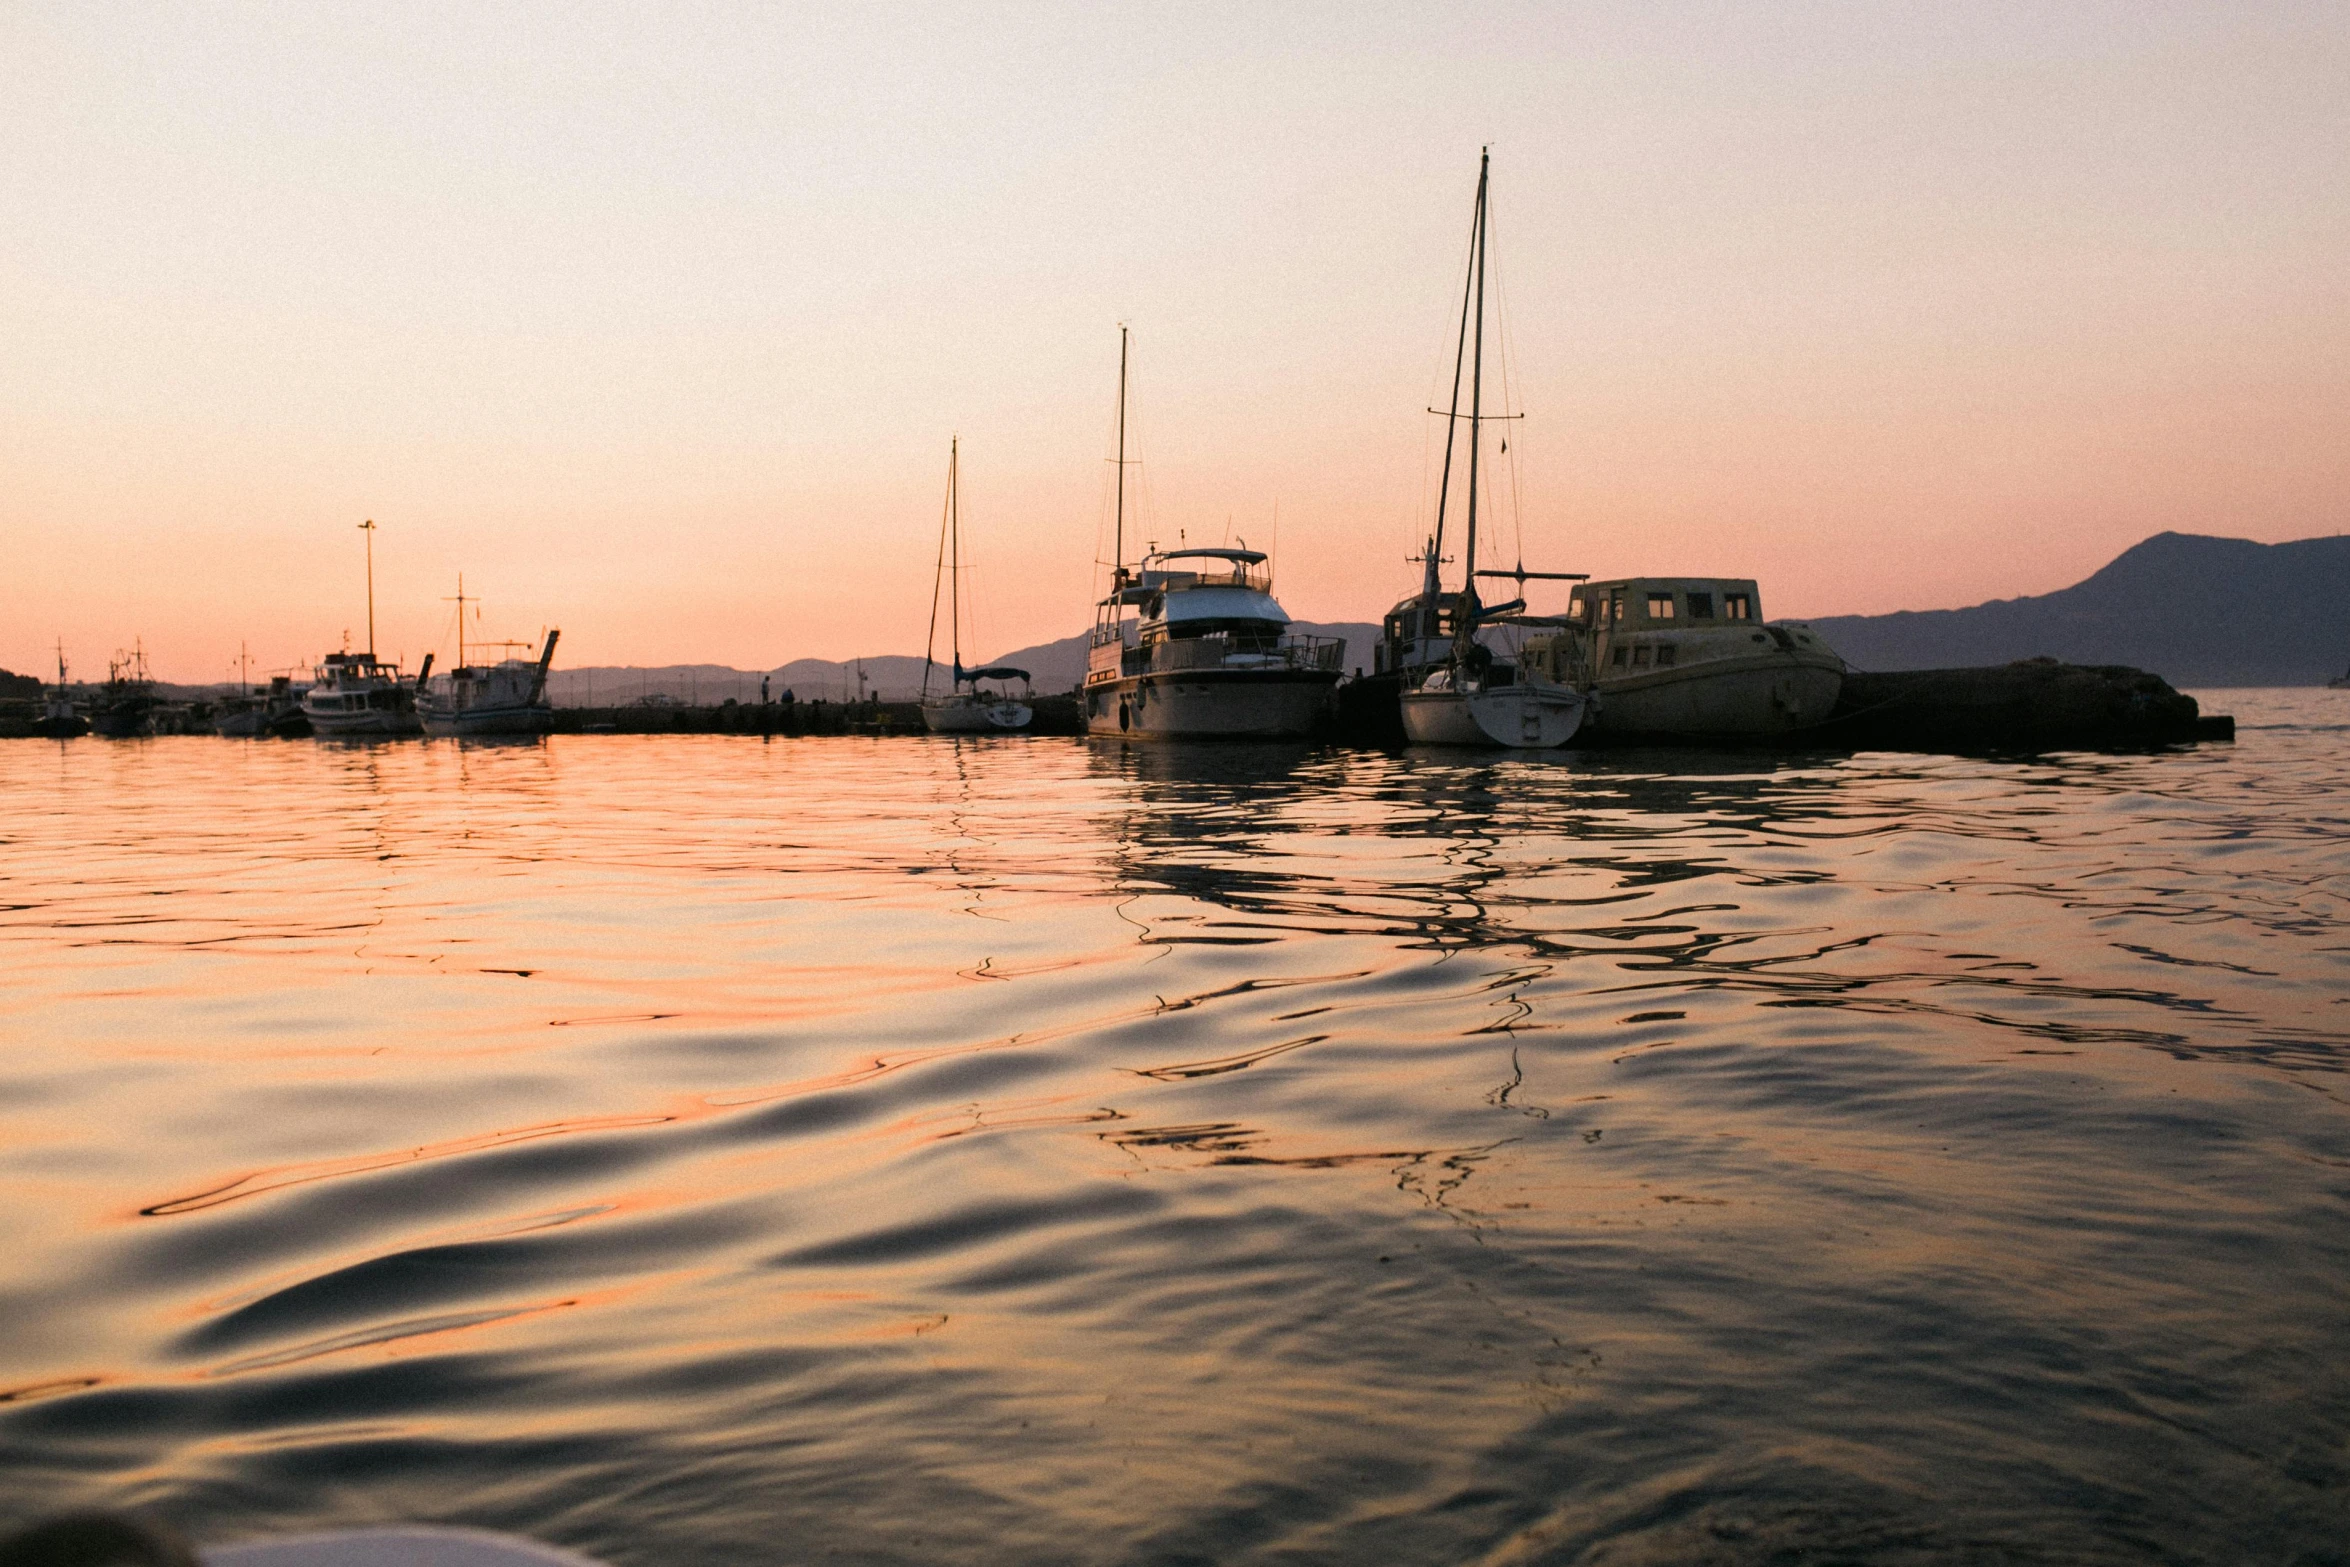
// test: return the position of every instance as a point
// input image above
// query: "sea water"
(1050, 1151)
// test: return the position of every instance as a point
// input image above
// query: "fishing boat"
(508, 697)
(1689, 657)
(60, 719)
(357, 695)
(1192, 642)
(1455, 689)
(965, 706)
(125, 706)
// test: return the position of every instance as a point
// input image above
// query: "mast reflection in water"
(967, 1152)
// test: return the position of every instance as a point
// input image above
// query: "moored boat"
(1193, 643)
(1690, 657)
(60, 719)
(1455, 689)
(505, 698)
(357, 695)
(124, 708)
(965, 706)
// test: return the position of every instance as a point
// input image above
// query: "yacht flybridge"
(1193, 643)
(1454, 689)
(965, 707)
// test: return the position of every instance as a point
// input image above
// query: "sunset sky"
(655, 321)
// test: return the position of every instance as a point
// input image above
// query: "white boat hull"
(1258, 704)
(465, 722)
(1765, 695)
(363, 725)
(953, 717)
(1527, 717)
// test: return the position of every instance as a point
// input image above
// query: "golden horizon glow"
(657, 327)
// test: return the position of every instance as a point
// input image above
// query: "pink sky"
(655, 322)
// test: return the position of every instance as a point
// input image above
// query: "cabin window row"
(1663, 605)
(1642, 656)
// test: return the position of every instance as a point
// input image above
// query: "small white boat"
(357, 695)
(1455, 706)
(1690, 657)
(1207, 651)
(1455, 689)
(964, 708)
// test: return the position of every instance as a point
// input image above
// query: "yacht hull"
(1527, 717)
(953, 717)
(1770, 694)
(363, 726)
(465, 723)
(1211, 704)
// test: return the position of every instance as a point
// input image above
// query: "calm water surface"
(701, 1149)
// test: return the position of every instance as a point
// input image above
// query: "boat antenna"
(1118, 547)
(946, 514)
(368, 528)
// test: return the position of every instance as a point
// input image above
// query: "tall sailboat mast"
(955, 556)
(1476, 399)
(368, 528)
(1431, 584)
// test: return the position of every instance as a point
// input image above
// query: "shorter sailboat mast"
(947, 526)
(955, 556)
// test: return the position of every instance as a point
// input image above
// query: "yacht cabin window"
(1660, 606)
(1736, 606)
(1701, 606)
(1640, 658)
(1622, 653)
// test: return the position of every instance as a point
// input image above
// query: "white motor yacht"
(965, 707)
(1194, 644)
(1208, 652)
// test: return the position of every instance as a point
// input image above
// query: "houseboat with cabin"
(1688, 658)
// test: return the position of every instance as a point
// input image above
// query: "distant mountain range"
(1053, 666)
(2196, 610)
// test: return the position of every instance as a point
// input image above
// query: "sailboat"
(1208, 651)
(1457, 691)
(963, 708)
(505, 698)
(357, 694)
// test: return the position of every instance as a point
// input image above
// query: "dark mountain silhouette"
(2197, 611)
